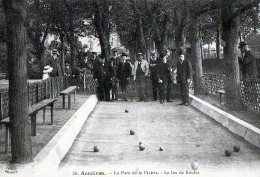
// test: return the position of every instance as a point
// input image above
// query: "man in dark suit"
(162, 76)
(54, 62)
(247, 62)
(184, 75)
(153, 74)
(114, 62)
(102, 73)
(169, 78)
(124, 74)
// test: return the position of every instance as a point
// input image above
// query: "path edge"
(247, 131)
(47, 161)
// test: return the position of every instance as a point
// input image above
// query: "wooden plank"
(5, 121)
(68, 90)
(40, 105)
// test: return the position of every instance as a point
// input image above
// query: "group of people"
(110, 75)
(161, 70)
(114, 74)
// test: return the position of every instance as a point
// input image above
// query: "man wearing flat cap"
(141, 72)
(247, 62)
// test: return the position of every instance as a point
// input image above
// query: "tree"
(231, 25)
(102, 25)
(38, 25)
(15, 11)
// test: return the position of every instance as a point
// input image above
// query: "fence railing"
(37, 91)
(250, 89)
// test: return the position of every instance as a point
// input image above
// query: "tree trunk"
(218, 44)
(201, 50)
(141, 38)
(196, 57)
(208, 50)
(62, 53)
(21, 144)
(101, 23)
(72, 42)
(230, 35)
(179, 39)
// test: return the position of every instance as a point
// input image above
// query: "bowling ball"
(132, 132)
(195, 165)
(126, 111)
(236, 148)
(227, 153)
(96, 149)
(160, 149)
(141, 147)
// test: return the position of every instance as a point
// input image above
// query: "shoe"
(182, 103)
(161, 101)
(140, 100)
(155, 99)
(145, 100)
(187, 104)
(170, 101)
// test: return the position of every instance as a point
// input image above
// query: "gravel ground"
(47, 131)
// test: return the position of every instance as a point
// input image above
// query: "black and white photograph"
(130, 88)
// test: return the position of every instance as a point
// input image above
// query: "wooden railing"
(37, 92)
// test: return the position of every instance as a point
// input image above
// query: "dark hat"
(67, 64)
(124, 54)
(163, 54)
(181, 52)
(242, 44)
(55, 51)
(94, 53)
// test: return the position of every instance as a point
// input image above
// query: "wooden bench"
(33, 110)
(68, 91)
(221, 93)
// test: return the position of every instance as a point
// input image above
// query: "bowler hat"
(124, 54)
(181, 52)
(139, 53)
(242, 44)
(54, 51)
(163, 54)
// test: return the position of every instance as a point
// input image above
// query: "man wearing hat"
(54, 62)
(153, 74)
(184, 76)
(114, 62)
(247, 62)
(141, 72)
(170, 73)
(162, 75)
(47, 72)
(124, 74)
(102, 73)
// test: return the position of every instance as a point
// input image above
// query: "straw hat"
(47, 69)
